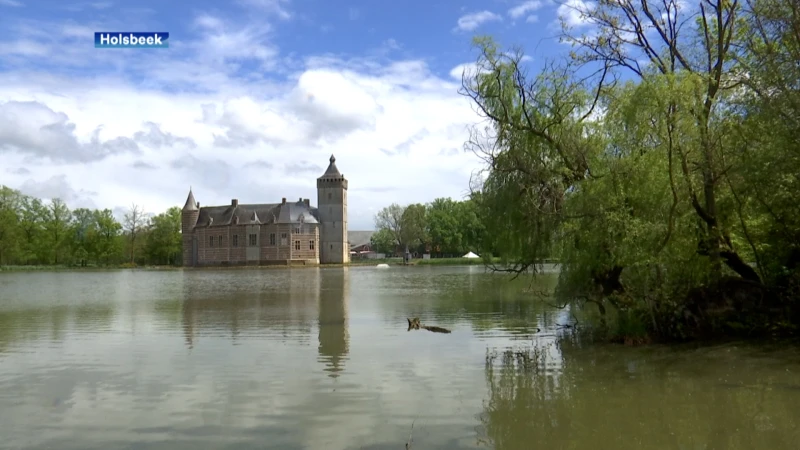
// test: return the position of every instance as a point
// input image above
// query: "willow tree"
(636, 159)
(538, 144)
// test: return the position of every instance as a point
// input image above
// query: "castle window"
(253, 240)
(311, 245)
(211, 241)
(297, 245)
(220, 240)
(298, 229)
(330, 195)
(235, 241)
(272, 239)
(284, 239)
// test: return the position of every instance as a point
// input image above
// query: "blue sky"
(250, 99)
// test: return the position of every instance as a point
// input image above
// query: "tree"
(82, 227)
(383, 241)
(32, 219)
(107, 236)
(133, 222)
(650, 29)
(164, 237)
(413, 228)
(444, 227)
(57, 224)
(9, 222)
(390, 218)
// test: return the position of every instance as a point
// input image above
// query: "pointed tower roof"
(332, 171)
(191, 204)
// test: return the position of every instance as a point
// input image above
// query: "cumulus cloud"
(143, 165)
(572, 12)
(524, 8)
(155, 138)
(59, 187)
(33, 128)
(332, 104)
(470, 22)
(241, 123)
(304, 167)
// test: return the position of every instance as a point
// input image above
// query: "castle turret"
(189, 215)
(332, 206)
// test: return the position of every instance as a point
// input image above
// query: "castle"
(270, 233)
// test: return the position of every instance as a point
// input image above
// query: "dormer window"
(236, 220)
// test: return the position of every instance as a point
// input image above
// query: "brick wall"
(308, 240)
(278, 242)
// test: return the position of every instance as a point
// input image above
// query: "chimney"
(234, 202)
(283, 201)
(307, 202)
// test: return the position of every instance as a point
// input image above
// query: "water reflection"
(618, 398)
(334, 339)
(321, 359)
(268, 304)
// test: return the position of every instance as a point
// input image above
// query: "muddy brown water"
(322, 359)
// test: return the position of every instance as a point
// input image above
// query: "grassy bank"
(423, 262)
(63, 267)
(355, 263)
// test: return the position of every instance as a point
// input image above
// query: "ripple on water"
(321, 359)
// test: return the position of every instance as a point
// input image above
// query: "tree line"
(443, 227)
(659, 161)
(37, 232)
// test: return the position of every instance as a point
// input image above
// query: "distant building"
(270, 233)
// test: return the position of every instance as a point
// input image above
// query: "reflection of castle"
(282, 307)
(334, 339)
(278, 304)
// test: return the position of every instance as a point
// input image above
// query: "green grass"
(355, 262)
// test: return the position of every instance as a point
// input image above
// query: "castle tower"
(332, 206)
(189, 215)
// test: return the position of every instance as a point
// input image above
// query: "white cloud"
(472, 21)
(572, 12)
(276, 7)
(13, 3)
(524, 8)
(231, 117)
(533, 18)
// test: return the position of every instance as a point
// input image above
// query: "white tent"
(470, 255)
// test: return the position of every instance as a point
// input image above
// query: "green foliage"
(38, 234)
(656, 193)
(442, 227)
(383, 241)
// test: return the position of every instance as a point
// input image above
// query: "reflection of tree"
(333, 335)
(523, 388)
(274, 302)
(619, 398)
(36, 324)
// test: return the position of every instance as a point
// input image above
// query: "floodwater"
(321, 359)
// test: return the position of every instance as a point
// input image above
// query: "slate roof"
(191, 203)
(358, 238)
(263, 213)
(332, 171)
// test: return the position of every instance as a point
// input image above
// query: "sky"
(251, 98)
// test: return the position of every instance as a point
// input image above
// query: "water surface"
(321, 359)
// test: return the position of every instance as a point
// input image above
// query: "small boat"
(382, 266)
